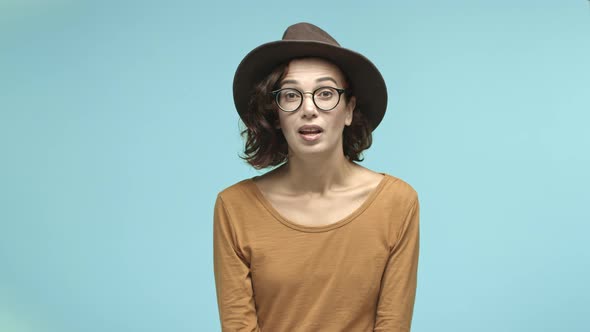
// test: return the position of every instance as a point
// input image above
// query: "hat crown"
(308, 31)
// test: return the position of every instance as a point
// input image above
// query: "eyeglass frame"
(340, 91)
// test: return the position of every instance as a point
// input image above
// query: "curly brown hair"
(266, 145)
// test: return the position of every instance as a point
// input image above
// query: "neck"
(317, 175)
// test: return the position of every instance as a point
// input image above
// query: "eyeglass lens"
(325, 98)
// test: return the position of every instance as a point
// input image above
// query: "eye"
(290, 95)
(325, 93)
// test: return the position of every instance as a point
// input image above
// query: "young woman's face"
(310, 130)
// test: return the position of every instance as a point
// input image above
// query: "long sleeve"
(235, 298)
(398, 285)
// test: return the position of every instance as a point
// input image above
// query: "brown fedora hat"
(307, 40)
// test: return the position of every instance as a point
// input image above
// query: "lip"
(310, 137)
(307, 127)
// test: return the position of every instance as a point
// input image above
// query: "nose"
(308, 108)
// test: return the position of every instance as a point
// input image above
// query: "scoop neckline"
(316, 229)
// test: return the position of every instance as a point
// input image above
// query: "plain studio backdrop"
(117, 130)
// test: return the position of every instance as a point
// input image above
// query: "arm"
(235, 300)
(398, 285)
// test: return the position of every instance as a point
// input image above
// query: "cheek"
(285, 123)
(344, 119)
(280, 120)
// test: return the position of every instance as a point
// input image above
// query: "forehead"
(308, 70)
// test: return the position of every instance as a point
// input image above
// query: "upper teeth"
(309, 130)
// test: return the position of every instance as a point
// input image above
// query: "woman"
(319, 243)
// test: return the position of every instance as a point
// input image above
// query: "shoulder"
(236, 191)
(397, 189)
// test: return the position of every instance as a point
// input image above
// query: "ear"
(350, 106)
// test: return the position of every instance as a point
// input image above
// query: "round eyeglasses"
(325, 98)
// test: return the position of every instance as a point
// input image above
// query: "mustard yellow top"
(358, 274)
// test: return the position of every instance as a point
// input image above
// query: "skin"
(317, 180)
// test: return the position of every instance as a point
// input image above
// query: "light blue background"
(117, 129)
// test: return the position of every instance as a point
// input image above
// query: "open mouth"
(310, 131)
(310, 134)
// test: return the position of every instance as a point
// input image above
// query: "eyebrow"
(321, 79)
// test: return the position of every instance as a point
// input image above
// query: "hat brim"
(369, 86)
